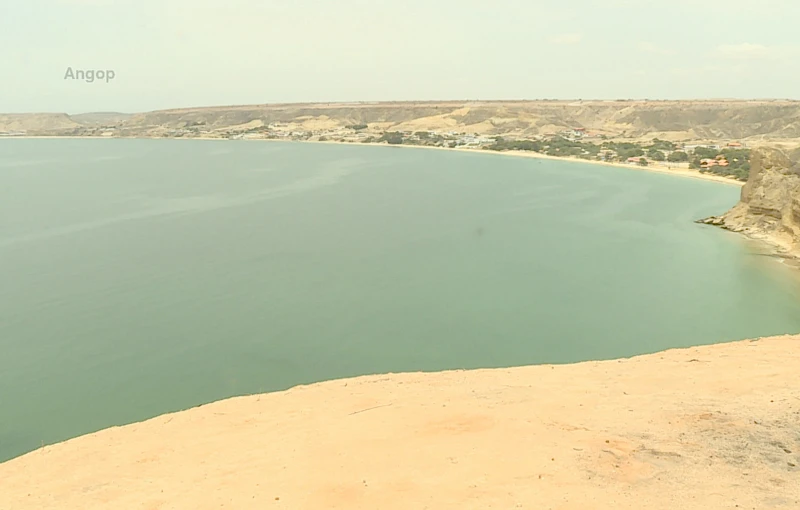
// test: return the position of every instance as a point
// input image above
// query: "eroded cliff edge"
(693, 429)
(769, 208)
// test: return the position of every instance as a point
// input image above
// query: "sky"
(182, 53)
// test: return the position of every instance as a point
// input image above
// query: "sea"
(141, 277)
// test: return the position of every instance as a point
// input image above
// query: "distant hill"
(34, 123)
(100, 118)
(757, 121)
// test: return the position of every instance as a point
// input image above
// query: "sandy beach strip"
(681, 172)
(693, 174)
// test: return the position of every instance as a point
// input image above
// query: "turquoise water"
(139, 277)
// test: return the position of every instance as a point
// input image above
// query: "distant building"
(721, 160)
(573, 134)
(689, 149)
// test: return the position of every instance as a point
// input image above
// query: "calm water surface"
(139, 277)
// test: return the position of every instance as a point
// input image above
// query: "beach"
(698, 428)
(663, 169)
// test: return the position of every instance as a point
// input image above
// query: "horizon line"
(411, 102)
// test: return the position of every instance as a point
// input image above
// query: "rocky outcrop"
(770, 205)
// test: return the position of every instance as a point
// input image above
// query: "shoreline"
(662, 169)
(681, 172)
(776, 246)
(623, 434)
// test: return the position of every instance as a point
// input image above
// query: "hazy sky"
(174, 53)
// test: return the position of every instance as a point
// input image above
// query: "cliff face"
(770, 205)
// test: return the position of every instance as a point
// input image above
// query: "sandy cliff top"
(706, 428)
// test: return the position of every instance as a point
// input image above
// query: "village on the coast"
(729, 158)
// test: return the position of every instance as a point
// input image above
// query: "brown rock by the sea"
(769, 208)
(717, 221)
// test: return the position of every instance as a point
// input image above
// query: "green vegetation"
(423, 138)
(678, 157)
(392, 138)
(705, 153)
(738, 162)
(516, 145)
(658, 151)
(624, 150)
(357, 127)
(661, 145)
(557, 146)
(428, 139)
(560, 146)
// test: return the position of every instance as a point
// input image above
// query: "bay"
(139, 277)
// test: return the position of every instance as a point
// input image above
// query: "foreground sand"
(705, 428)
